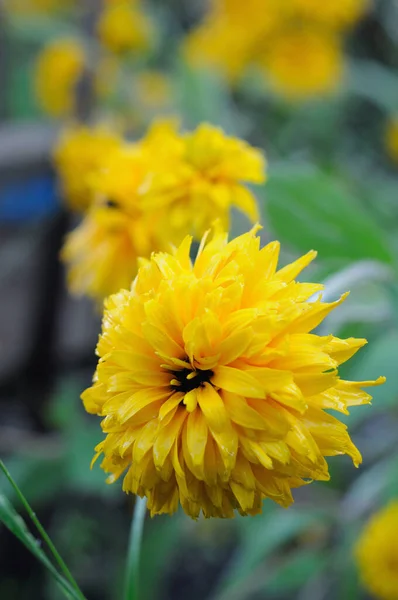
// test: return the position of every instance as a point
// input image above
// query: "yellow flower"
(59, 68)
(201, 177)
(377, 554)
(392, 139)
(80, 152)
(301, 63)
(336, 15)
(123, 27)
(211, 387)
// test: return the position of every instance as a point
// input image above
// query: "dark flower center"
(186, 380)
(111, 203)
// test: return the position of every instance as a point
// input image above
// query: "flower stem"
(133, 557)
(68, 575)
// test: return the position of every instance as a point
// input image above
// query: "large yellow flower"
(201, 177)
(377, 554)
(301, 63)
(102, 252)
(123, 27)
(80, 153)
(211, 387)
(392, 139)
(58, 69)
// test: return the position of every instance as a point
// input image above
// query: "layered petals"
(213, 387)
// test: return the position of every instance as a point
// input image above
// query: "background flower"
(303, 63)
(298, 44)
(123, 27)
(377, 553)
(58, 70)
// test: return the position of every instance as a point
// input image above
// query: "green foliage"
(308, 209)
(10, 518)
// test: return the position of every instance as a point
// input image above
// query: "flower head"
(392, 139)
(58, 69)
(303, 63)
(377, 554)
(80, 153)
(211, 387)
(123, 27)
(202, 177)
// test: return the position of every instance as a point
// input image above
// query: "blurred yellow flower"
(147, 196)
(392, 139)
(211, 387)
(298, 43)
(301, 63)
(58, 70)
(339, 14)
(123, 27)
(377, 553)
(80, 152)
(201, 177)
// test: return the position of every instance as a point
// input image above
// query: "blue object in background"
(28, 199)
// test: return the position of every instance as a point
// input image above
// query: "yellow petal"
(343, 350)
(162, 343)
(268, 259)
(241, 413)
(237, 382)
(213, 407)
(291, 271)
(167, 436)
(234, 346)
(196, 436)
(313, 316)
(144, 441)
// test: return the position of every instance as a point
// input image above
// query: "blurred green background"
(332, 186)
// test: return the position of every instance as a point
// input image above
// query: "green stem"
(133, 556)
(43, 533)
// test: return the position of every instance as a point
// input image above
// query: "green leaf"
(374, 82)
(161, 537)
(262, 535)
(38, 476)
(40, 29)
(10, 518)
(202, 96)
(296, 571)
(309, 209)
